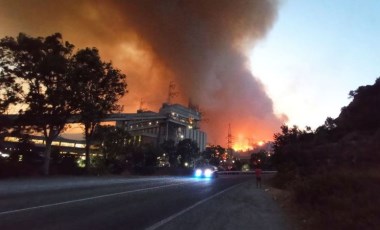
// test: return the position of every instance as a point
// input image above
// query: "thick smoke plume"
(200, 45)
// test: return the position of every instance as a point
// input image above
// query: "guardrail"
(243, 172)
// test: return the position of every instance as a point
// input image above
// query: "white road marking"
(170, 218)
(89, 198)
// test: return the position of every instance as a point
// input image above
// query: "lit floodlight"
(5, 155)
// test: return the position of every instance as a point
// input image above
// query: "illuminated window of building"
(78, 145)
(55, 143)
(67, 144)
(12, 139)
(38, 142)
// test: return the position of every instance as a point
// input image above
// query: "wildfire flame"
(243, 144)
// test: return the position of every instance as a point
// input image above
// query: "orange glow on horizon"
(241, 147)
(243, 144)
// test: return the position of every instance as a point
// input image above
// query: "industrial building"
(172, 122)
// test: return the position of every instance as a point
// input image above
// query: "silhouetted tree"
(187, 149)
(97, 88)
(214, 154)
(10, 89)
(116, 145)
(261, 159)
(291, 149)
(40, 65)
(170, 149)
(150, 155)
(327, 132)
(117, 142)
(363, 113)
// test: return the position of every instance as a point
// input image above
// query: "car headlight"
(198, 172)
(208, 173)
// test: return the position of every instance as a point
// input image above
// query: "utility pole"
(229, 137)
(142, 102)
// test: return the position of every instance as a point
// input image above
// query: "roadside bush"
(68, 165)
(98, 166)
(6, 168)
(340, 199)
(115, 166)
(14, 167)
(287, 174)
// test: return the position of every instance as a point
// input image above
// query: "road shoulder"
(244, 207)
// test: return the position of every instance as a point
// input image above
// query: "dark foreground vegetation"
(333, 172)
(113, 151)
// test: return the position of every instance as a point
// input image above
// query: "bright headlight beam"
(208, 173)
(198, 173)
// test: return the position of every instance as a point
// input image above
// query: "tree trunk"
(87, 148)
(47, 154)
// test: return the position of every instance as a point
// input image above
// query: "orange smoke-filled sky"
(200, 45)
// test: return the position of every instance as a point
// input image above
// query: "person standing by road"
(258, 176)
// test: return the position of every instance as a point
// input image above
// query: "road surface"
(137, 203)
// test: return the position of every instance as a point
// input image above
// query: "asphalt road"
(116, 202)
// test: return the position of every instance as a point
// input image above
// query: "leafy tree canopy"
(52, 84)
(97, 86)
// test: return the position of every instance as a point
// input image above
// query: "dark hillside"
(333, 172)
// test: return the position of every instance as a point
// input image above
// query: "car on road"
(206, 171)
